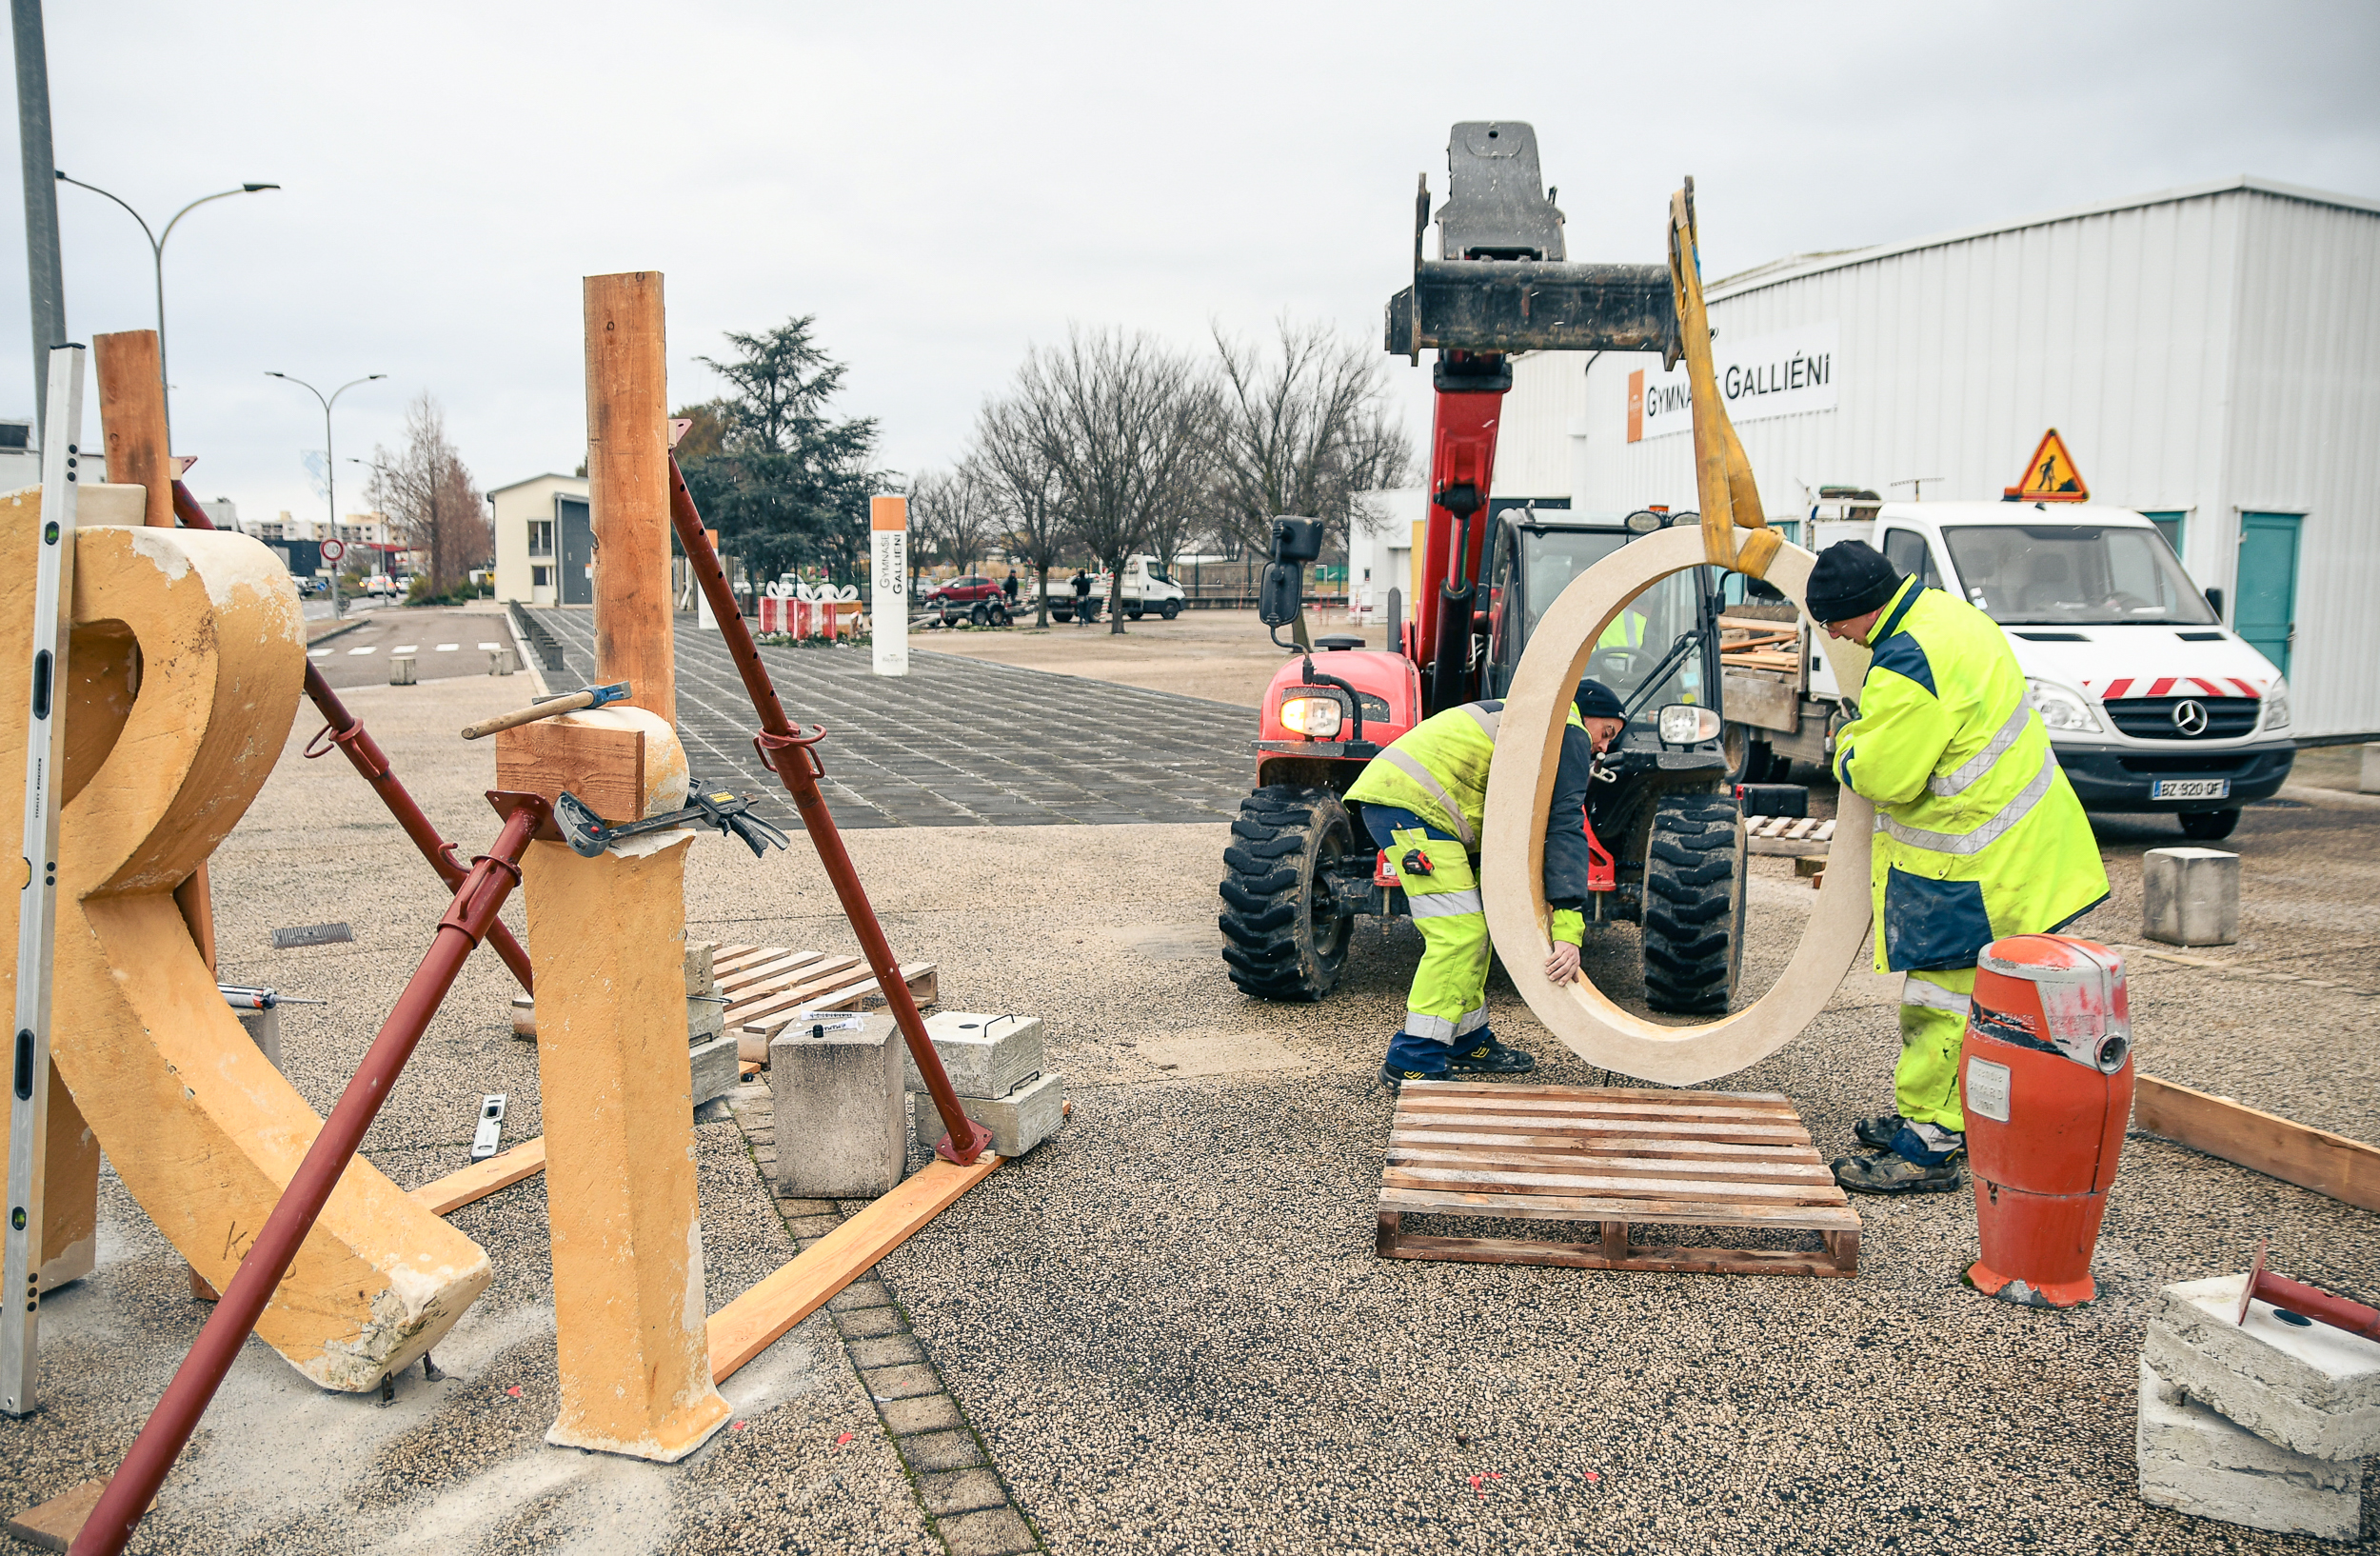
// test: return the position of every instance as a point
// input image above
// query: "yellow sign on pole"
(2051, 477)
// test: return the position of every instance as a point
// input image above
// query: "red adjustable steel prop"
(778, 739)
(469, 917)
(347, 733)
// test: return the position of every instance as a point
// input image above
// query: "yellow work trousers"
(1933, 1019)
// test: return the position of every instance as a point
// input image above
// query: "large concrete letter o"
(1513, 853)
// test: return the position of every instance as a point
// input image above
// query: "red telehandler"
(1663, 816)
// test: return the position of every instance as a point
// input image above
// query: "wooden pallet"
(1617, 1156)
(769, 987)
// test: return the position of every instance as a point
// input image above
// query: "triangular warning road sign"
(2051, 477)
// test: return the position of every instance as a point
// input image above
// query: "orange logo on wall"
(2051, 477)
(1635, 405)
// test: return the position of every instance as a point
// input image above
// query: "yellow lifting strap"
(1722, 475)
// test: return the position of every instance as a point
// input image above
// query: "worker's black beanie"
(1849, 578)
(1596, 700)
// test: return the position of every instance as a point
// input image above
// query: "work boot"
(1395, 1078)
(1895, 1174)
(1876, 1133)
(1481, 1053)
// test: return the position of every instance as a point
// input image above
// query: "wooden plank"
(1720, 1174)
(628, 487)
(1591, 1107)
(54, 1525)
(1505, 1180)
(865, 995)
(765, 974)
(728, 958)
(604, 768)
(1639, 1095)
(750, 1324)
(2345, 1170)
(442, 1196)
(1500, 1250)
(1747, 1134)
(1666, 1212)
(1711, 1150)
(786, 995)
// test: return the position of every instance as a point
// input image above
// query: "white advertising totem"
(888, 526)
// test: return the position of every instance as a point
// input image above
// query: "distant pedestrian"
(1081, 596)
(1009, 587)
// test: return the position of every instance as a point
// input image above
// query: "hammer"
(546, 709)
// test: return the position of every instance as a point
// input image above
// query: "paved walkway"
(957, 742)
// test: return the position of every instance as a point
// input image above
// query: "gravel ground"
(1168, 1324)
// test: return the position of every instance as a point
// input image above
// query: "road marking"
(407, 649)
(449, 648)
(373, 649)
(493, 647)
(320, 653)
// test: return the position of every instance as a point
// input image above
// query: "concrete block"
(715, 1068)
(2189, 896)
(1018, 1122)
(840, 1120)
(2314, 1390)
(524, 1017)
(2368, 782)
(706, 1018)
(699, 977)
(264, 1030)
(400, 670)
(2195, 1461)
(986, 1055)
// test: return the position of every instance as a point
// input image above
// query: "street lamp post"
(157, 252)
(331, 466)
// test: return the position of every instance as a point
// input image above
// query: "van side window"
(1906, 549)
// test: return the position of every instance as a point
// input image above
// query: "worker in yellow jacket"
(1424, 800)
(1979, 834)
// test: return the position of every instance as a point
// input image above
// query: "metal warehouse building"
(2210, 356)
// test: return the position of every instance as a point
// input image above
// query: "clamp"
(730, 812)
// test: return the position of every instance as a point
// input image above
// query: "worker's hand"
(1563, 965)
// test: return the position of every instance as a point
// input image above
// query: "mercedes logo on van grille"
(2190, 717)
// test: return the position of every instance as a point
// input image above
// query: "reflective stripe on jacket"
(1438, 771)
(1979, 833)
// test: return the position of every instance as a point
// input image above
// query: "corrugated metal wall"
(2131, 330)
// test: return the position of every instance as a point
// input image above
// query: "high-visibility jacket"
(1438, 771)
(1978, 832)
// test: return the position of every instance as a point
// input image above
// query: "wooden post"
(628, 481)
(608, 943)
(132, 430)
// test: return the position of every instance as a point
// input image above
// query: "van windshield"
(2073, 574)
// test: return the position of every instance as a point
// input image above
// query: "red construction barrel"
(2045, 1076)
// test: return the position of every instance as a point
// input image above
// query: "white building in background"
(545, 540)
(2211, 355)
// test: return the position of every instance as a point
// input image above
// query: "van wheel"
(1694, 882)
(1283, 937)
(1171, 610)
(2208, 826)
(1133, 613)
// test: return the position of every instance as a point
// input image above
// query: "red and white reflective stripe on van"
(2172, 686)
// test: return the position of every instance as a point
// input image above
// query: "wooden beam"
(2279, 1148)
(602, 767)
(132, 417)
(752, 1322)
(443, 1196)
(628, 476)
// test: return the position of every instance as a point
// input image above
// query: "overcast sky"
(943, 186)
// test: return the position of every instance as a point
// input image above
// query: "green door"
(2265, 611)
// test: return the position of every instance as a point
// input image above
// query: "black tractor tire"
(2209, 826)
(1283, 938)
(1694, 880)
(1170, 609)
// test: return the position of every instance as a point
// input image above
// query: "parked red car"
(980, 600)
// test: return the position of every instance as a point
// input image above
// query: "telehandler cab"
(1664, 818)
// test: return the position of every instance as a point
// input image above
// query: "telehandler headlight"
(1316, 718)
(1684, 724)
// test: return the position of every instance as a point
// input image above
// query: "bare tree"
(1124, 425)
(430, 497)
(1022, 489)
(953, 513)
(1305, 425)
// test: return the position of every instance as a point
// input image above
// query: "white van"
(2152, 704)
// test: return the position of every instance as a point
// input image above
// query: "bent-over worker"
(1978, 836)
(1424, 800)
